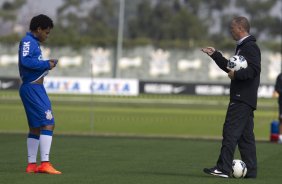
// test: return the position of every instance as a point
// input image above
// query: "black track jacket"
(244, 86)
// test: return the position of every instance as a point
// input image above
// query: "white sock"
(45, 144)
(32, 148)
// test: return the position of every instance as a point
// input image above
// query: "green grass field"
(113, 160)
(146, 115)
(131, 140)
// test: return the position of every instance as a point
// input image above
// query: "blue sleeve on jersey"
(31, 56)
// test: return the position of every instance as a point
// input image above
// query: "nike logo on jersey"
(40, 58)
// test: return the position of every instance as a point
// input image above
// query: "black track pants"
(238, 130)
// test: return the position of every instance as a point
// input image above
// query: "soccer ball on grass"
(237, 62)
(239, 168)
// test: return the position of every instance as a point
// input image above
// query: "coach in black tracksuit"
(239, 125)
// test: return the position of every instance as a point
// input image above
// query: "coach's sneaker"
(31, 168)
(215, 172)
(46, 167)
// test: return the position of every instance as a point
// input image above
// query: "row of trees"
(164, 23)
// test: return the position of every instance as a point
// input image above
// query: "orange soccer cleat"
(46, 167)
(31, 168)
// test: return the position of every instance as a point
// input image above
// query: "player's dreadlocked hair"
(40, 21)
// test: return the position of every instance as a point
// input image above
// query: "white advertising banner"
(74, 85)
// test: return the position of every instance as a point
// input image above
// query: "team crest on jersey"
(40, 58)
(49, 115)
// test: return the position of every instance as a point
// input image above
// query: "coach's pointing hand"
(208, 50)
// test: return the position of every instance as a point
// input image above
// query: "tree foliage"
(9, 9)
(168, 24)
(163, 23)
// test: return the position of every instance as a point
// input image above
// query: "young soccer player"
(33, 69)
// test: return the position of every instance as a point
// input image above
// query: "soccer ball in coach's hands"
(237, 62)
(239, 168)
